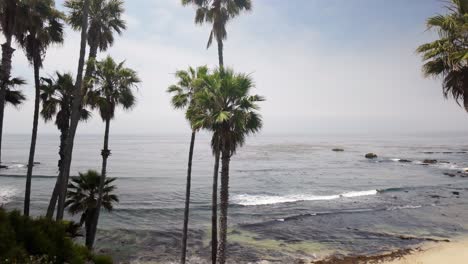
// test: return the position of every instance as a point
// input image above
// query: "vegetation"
(82, 197)
(217, 101)
(11, 26)
(43, 27)
(27, 240)
(113, 87)
(57, 97)
(447, 57)
(189, 83)
(232, 114)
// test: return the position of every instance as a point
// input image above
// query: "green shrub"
(27, 240)
(101, 259)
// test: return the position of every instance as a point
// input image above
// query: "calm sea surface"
(292, 196)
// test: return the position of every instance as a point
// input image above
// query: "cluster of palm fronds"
(447, 57)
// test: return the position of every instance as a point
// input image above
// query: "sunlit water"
(291, 196)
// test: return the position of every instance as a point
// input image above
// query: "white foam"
(403, 207)
(249, 199)
(6, 193)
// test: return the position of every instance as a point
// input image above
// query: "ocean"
(291, 196)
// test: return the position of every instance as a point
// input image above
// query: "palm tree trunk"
(75, 114)
(55, 193)
(214, 208)
(224, 203)
(105, 153)
(5, 70)
(32, 149)
(220, 53)
(187, 200)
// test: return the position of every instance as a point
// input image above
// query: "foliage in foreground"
(27, 240)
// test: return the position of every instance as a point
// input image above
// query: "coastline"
(435, 253)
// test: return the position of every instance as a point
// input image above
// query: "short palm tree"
(218, 13)
(447, 57)
(10, 26)
(189, 82)
(82, 197)
(57, 98)
(105, 18)
(43, 28)
(113, 85)
(231, 113)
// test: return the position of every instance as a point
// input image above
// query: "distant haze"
(324, 66)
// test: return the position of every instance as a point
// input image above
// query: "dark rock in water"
(371, 156)
(435, 196)
(36, 163)
(428, 152)
(3, 167)
(430, 161)
(447, 152)
(338, 149)
(404, 161)
(449, 174)
(456, 193)
(444, 162)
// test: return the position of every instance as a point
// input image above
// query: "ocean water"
(291, 196)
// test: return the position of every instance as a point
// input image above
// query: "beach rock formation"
(371, 156)
(430, 161)
(338, 149)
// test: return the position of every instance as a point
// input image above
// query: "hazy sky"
(325, 66)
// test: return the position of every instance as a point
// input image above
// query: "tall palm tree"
(189, 82)
(232, 113)
(57, 98)
(43, 28)
(113, 85)
(218, 13)
(10, 25)
(75, 114)
(82, 197)
(447, 57)
(105, 18)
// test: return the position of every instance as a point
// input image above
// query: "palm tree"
(231, 112)
(113, 85)
(14, 97)
(105, 18)
(10, 25)
(43, 28)
(75, 113)
(447, 57)
(57, 98)
(189, 82)
(82, 197)
(218, 13)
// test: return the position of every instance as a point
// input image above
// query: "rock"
(456, 193)
(338, 149)
(370, 156)
(3, 167)
(404, 161)
(430, 161)
(36, 163)
(449, 174)
(435, 196)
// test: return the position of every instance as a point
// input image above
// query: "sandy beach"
(437, 253)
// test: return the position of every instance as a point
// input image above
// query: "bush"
(27, 240)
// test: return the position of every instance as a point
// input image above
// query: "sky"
(324, 66)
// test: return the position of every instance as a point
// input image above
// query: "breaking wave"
(6, 193)
(249, 199)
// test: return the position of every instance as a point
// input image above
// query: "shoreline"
(434, 252)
